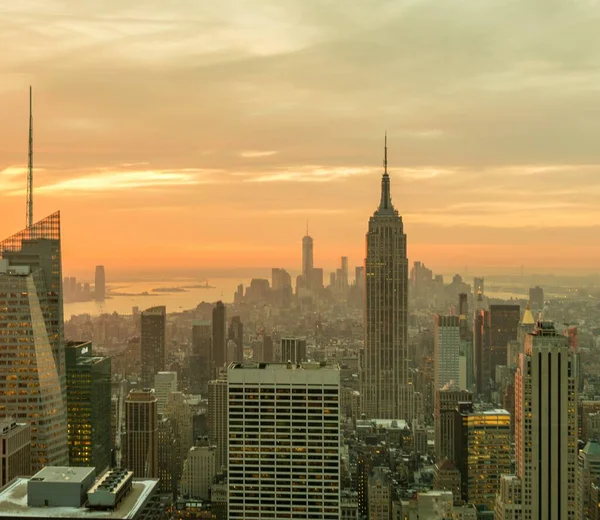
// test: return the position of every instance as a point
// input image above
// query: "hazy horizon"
(176, 136)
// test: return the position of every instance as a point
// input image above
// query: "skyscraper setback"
(385, 389)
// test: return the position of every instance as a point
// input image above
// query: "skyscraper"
(293, 350)
(588, 472)
(504, 327)
(219, 337)
(164, 384)
(15, 450)
(536, 298)
(217, 419)
(33, 356)
(385, 388)
(236, 334)
(153, 343)
(446, 402)
(199, 369)
(100, 284)
(284, 441)
(481, 337)
(141, 434)
(546, 425)
(307, 258)
(88, 407)
(447, 350)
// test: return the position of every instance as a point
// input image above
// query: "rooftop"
(13, 502)
(274, 367)
(62, 474)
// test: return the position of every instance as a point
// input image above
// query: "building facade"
(219, 338)
(15, 450)
(446, 402)
(284, 441)
(385, 386)
(88, 407)
(140, 449)
(152, 344)
(447, 352)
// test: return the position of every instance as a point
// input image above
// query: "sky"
(196, 134)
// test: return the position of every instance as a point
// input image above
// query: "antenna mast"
(29, 215)
(385, 154)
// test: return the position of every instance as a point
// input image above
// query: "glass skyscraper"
(32, 359)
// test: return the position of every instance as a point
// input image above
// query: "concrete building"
(164, 384)
(546, 425)
(284, 441)
(152, 345)
(588, 472)
(447, 478)
(199, 370)
(179, 411)
(509, 499)
(67, 492)
(217, 419)
(33, 352)
(199, 472)
(446, 402)
(437, 505)
(236, 335)
(482, 453)
(380, 494)
(219, 338)
(15, 450)
(293, 350)
(385, 386)
(447, 360)
(169, 470)
(140, 447)
(88, 406)
(536, 298)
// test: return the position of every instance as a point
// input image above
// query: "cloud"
(310, 174)
(253, 154)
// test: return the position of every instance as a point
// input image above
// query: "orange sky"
(203, 134)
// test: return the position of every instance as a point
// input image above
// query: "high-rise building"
(33, 356)
(199, 471)
(482, 452)
(359, 277)
(217, 419)
(100, 284)
(447, 353)
(88, 407)
(167, 457)
(164, 384)
(284, 441)
(380, 494)
(446, 402)
(546, 425)
(385, 385)
(219, 337)
(478, 286)
(181, 415)
(504, 327)
(199, 369)
(15, 450)
(481, 338)
(466, 343)
(293, 350)
(536, 298)
(140, 453)
(343, 278)
(264, 352)
(152, 344)
(236, 334)
(307, 257)
(588, 472)
(316, 279)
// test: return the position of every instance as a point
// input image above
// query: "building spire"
(386, 198)
(29, 209)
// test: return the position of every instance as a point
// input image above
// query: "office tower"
(164, 384)
(482, 453)
(280, 279)
(140, 453)
(446, 402)
(343, 278)
(293, 350)
(546, 425)
(447, 360)
(504, 327)
(332, 280)
(152, 345)
(199, 369)
(199, 471)
(481, 337)
(236, 334)
(289, 417)
(359, 277)
(316, 279)
(478, 286)
(307, 258)
(463, 304)
(588, 472)
(380, 494)
(219, 337)
(217, 419)
(88, 406)
(167, 457)
(385, 385)
(466, 343)
(536, 298)
(264, 353)
(15, 450)
(100, 284)
(447, 478)
(181, 415)
(33, 351)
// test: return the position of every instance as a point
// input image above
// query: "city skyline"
(499, 159)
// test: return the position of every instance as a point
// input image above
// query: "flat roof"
(13, 503)
(63, 474)
(273, 367)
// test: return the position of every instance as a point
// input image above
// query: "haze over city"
(203, 135)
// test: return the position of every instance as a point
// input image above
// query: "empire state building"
(385, 388)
